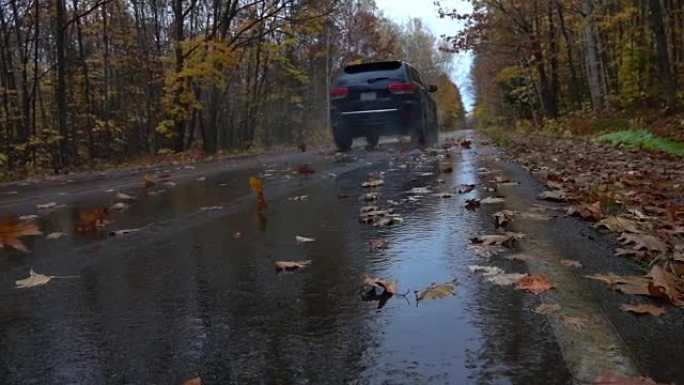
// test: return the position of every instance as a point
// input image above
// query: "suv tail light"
(339, 93)
(402, 88)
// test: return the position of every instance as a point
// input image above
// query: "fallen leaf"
(291, 265)
(11, 231)
(372, 183)
(618, 223)
(257, 188)
(644, 242)
(193, 381)
(419, 191)
(436, 291)
(119, 206)
(547, 308)
(503, 217)
(46, 206)
(90, 219)
(472, 204)
(570, 263)
(370, 197)
(609, 378)
(387, 285)
(643, 309)
(553, 195)
(55, 235)
(492, 200)
(444, 195)
(378, 244)
(301, 239)
(121, 197)
(535, 284)
(35, 279)
(664, 285)
(466, 188)
(465, 143)
(505, 279)
(211, 208)
(148, 181)
(496, 239)
(486, 251)
(588, 211)
(485, 270)
(574, 322)
(118, 233)
(626, 284)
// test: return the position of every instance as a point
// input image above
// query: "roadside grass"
(496, 133)
(642, 139)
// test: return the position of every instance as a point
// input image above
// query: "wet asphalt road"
(183, 298)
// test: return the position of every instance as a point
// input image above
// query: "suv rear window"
(369, 72)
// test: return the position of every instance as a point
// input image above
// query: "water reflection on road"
(187, 299)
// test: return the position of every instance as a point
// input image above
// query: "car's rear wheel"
(342, 139)
(372, 139)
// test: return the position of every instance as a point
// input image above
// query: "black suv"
(382, 98)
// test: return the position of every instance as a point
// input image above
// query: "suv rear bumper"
(387, 121)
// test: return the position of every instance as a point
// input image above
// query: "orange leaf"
(535, 284)
(11, 231)
(643, 309)
(663, 285)
(149, 182)
(90, 219)
(193, 381)
(384, 284)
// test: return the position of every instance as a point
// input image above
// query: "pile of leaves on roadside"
(636, 194)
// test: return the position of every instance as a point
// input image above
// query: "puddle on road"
(203, 303)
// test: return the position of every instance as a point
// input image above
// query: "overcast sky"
(402, 10)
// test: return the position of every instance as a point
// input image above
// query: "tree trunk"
(591, 57)
(62, 159)
(666, 77)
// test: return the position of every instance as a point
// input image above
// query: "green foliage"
(643, 139)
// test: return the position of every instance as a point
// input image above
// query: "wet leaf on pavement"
(574, 322)
(466, 188)
(148, 181)
(371, 183)
(472, 204)
(435, 291)
(419, 191)
(505, 279)
(291, 265)
(492, 200)
(636, 285)
(119, 206)
(384, 284)
(485, 270)
(11, 231)
(547, 308)
(503, 217)
(55, 235)
(619, 224)
(118, 233)
(121, 197)
(91, 219)
(301, 239)
(570, 263)
(553, 195)
(664, 285)
(486, 251)
(46, 206)
(496, 239)
(588, 211)
(193, 381)
(36, 279)
(643, 309)
(535, 284)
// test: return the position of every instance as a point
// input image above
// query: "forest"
(94, 83)
(575, 66)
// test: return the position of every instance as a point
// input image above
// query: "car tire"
(342, 139)
(372, 139)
